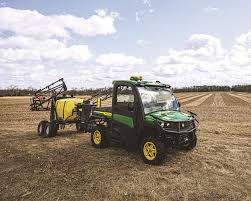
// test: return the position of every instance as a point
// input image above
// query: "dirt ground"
(67, 167)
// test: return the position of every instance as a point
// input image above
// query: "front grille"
(178, 126)
(171, 126)
(187, 125)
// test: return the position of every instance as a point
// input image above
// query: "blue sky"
(189, 42)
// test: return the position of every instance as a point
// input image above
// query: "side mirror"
(130, 106)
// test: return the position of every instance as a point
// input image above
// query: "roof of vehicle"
(141, 83)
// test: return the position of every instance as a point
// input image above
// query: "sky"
(91, 43)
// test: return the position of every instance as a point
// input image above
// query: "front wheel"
(152, 151)
(193, 142)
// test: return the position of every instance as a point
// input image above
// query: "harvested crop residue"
(67, 167)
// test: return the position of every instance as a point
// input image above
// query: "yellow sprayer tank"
(65, 109)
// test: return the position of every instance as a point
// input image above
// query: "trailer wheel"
(80, 127)
(99, 138)
(152, 151)
(41, 128)
(50, 129)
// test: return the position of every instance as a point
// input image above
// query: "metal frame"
(41, 99)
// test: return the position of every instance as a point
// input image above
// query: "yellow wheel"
(150, 150)
(97, 137)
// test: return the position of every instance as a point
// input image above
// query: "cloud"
(21, 48)
(36, 47)
(151, 10)
(143, 7)
(114, 66)
(244, 39)
(32, 23)
(205, 61)
(27, 61)
(240, 54)
(147, 2)
(118, 59)
(137, 17)
(211, 9)
(142, 43)
(200, 49)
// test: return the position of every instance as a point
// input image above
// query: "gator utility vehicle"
(144, 115)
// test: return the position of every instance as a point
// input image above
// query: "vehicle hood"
(170, 116)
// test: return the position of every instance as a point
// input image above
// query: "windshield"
(157, 99)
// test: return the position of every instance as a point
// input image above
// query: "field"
(67, 167)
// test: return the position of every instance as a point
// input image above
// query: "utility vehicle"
(144, 115)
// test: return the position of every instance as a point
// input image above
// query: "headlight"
(182, 125)
(165, 124)
(186, 125)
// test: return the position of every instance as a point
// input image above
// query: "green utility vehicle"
(144, 115)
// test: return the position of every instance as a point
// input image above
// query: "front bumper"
(178, 137)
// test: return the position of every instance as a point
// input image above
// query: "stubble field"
(67, 167)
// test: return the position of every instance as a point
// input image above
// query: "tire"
(152, 151)
(99, 138)
(41, 128)
(192, 143)
(50, 129)
(80, 127)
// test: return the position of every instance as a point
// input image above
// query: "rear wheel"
(41, 128)
(50, 129)
(152, 151)
(99, 138)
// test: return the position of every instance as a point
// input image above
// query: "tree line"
(15, 91)
(203, 88)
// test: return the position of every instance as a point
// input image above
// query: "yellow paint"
(99, 103)
(109, 114)
(97, 137)
(65, 108)
(150, 151)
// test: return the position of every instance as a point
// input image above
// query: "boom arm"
(104, 95)
(41, 98)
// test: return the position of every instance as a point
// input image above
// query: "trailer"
(64, 109)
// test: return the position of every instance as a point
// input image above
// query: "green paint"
(149, 119)
(168, 116)
(123, 119)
